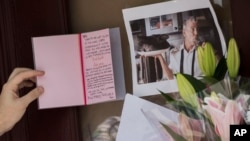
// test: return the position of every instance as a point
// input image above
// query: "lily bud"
(215, 97)
(209, 60)
(200, 58)
(233, 58)
(186, 90)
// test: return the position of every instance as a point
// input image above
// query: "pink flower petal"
(212, 103)
(223, 118)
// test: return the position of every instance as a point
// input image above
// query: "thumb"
(32, 95)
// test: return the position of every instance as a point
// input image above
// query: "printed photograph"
(165, 42)
(162, 39)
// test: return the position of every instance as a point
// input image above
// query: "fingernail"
(43, 72)
(40, 89)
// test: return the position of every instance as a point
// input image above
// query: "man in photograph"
(184, 59)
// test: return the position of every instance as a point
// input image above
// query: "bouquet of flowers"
(207, 106)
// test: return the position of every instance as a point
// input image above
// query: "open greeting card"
(80, 69)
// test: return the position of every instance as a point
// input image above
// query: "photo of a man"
(191, 29)
(164, 42)
(183, 59)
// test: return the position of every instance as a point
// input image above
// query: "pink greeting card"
(80, 69)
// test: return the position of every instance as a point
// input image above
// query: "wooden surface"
(19, 21)
(241, 31)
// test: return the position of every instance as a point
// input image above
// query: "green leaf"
(221, 69)
(209, 80)
(167, 96)
(174, 135)
(198, 85)
(182, 106)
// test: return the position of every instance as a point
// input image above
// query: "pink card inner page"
(59, 57)
(98, 67)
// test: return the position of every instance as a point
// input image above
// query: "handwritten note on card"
(80, 69)
(98, 69)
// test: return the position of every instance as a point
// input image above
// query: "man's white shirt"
(175, 61)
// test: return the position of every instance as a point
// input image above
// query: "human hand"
(13, 107)
(166, 70)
